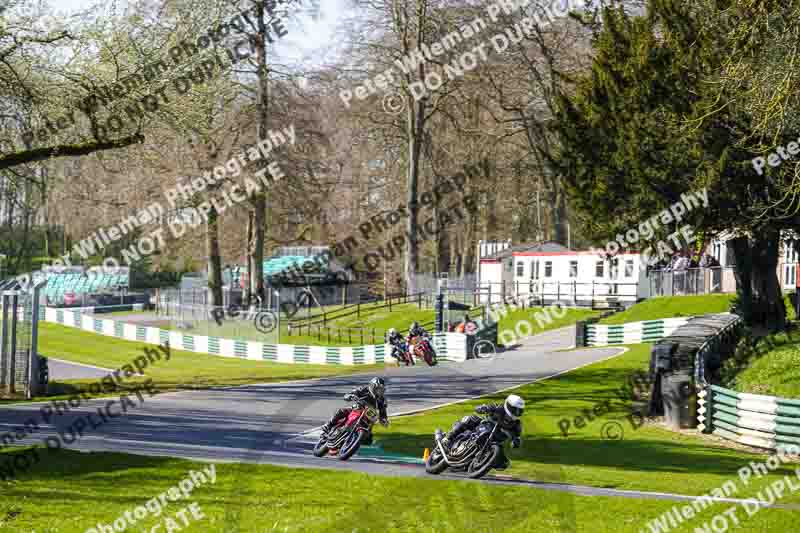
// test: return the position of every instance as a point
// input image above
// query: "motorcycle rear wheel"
(434, 466)
(351, 445)
(489, 460)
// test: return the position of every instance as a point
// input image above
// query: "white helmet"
(514, 406)
(392, 332)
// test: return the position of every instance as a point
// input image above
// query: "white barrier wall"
(280, 353)
(632, 332)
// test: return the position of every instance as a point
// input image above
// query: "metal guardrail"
(712, 343)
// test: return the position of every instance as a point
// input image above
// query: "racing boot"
(327, 428)
(502, 462)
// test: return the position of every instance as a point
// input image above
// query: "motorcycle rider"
(373, 395)
(398, 345)
(507, 416)
(416, 330)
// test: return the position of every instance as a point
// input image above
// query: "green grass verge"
(370, 318)
(647, 458)
(184, 370)
(672, 307)
(511, 323)
(775, 372)
(70, 492)
(680, 306)
(379, 320)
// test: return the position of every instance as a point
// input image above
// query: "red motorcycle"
(422, 348)
(405, 355)
(345, 439)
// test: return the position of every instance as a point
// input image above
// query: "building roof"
(538, 247)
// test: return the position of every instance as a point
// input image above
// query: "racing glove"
(516, 442)
(483, 409)
(349, 397)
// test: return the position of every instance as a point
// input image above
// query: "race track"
(266, 423)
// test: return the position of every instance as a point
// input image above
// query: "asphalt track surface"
(275, 423)
(60, 370)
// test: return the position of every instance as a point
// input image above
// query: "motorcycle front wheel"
(435, 463)
(321, 448)
(481, 465)
(430, 358)
(351, 445)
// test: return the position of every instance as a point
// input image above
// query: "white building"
(548, 272)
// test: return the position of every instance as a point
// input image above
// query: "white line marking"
(80, 364)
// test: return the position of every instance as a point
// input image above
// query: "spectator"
(681, 262)
(463, 326)
(709, 261)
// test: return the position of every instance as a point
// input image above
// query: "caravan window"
(599, 269)
(573, 269)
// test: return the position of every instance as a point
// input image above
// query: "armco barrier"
(750, 419)
(279, 353)
(632, 332)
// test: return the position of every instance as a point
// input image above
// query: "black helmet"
(414, 325)
(377, 387)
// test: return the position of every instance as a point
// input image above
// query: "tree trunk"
(214, 260)
(455, 255)
(759, 295)
(257, 250)
(559, 212)
(259, 201)
(416, 116)
(248, 293)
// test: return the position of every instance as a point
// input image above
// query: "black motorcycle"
(474, 452)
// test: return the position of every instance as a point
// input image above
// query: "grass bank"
(184, 370)
(75, 491)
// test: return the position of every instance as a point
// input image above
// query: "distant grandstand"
(293, 266)
(76, 286)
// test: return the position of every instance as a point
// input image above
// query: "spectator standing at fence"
(681, 263)
(708, 261)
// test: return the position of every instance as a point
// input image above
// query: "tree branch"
(41, 154)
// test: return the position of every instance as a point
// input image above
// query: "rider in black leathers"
(498, 413)
(372, 395)
(398, 344)
(416, 330)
